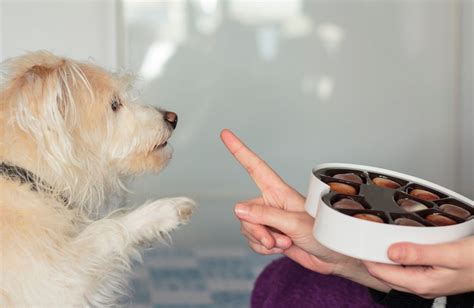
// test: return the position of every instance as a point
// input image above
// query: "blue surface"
(200, 278)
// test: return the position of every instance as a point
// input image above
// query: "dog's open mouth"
(159, 146)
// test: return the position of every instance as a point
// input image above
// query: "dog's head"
(75, 122)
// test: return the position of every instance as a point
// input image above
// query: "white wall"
(74, 28)
(466, 149)
(394, 83)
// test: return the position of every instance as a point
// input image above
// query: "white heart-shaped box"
(368, 240)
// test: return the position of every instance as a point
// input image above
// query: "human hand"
(276, 222)
(275, 192)
(429, 271)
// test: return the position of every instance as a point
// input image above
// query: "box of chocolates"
(360, 211)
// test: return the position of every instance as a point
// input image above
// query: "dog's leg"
(151, 221)
(105, 248)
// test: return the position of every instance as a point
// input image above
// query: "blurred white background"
(383, 83)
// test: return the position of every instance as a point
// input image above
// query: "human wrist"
(354, 270)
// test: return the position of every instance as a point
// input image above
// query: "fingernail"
(264, 242)
(395, 253)
(241, 209)
(276, 250)
(280, 242)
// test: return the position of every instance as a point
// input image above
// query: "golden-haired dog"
(69, 137)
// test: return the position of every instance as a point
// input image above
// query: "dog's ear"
(48, 90)
(45, 90)
(45, 85)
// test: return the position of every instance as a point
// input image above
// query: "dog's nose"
(171, 118)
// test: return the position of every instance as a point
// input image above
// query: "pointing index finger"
(259, 171)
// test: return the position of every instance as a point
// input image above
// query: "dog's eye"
(115, 105)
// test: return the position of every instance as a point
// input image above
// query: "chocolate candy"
(393, 199)
(411, 205)
(343, 188)
(408, 222)
(455, 210)
(424, 195)
(352, 177)
(369, 217)
(383, 182)
(348, 204)
(440, 220)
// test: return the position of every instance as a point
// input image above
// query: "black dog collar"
(24, 176)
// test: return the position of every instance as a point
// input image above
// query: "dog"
(70, 138)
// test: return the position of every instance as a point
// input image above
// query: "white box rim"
(329, 223)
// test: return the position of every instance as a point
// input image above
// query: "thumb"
(292, 224)
(443, 255)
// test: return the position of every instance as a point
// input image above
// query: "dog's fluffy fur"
(57, 121)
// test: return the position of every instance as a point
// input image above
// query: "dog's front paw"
(151, 221)
(185, 207)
